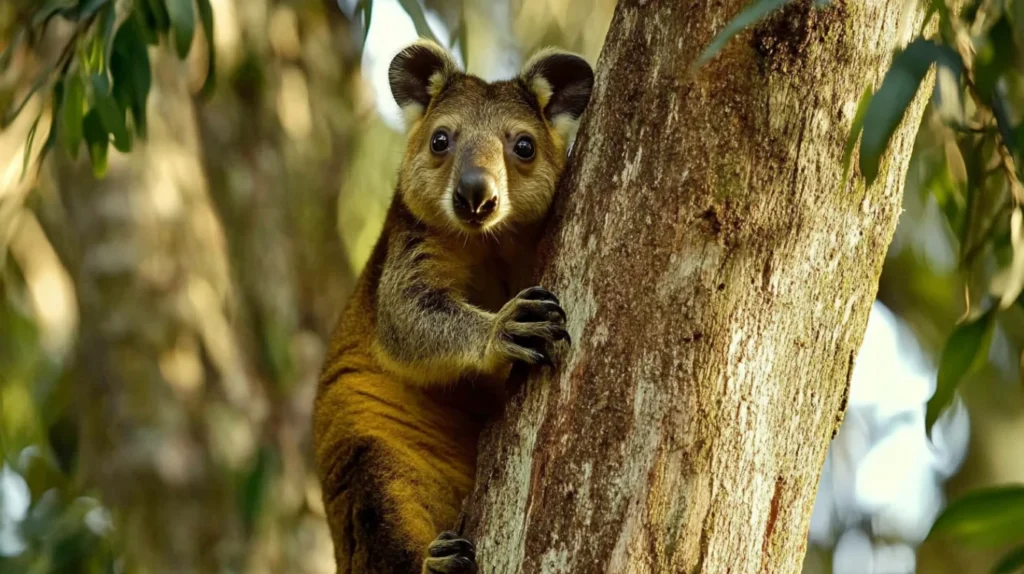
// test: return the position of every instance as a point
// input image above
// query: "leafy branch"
(100, 83)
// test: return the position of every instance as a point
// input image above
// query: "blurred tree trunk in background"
(160, 373)
(686, 429)
(276, 143)
(209, 272)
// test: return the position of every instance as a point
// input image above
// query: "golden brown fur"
(439, 315)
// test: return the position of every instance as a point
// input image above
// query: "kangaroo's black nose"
(476, 196)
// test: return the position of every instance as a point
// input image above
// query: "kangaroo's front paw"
(527, 326)
(450, 554)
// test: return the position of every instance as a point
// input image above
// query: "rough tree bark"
(718, 275)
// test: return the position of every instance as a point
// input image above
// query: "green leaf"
(965, 350)
(161, 19)
(106, 35)
(948, 192)
(131, 71)
(749, 16)
(983, 517)
(365, 10)
(890, 102)
(419, 19)
(1011, 562)
(97, 138)
(110, 114)
(28, 146)
(12, 47)
(183, 19)
(973, 153)
(994, 57)
(206, 17)
(945, 20)
(87, 8)
(254, 488)
(13, 112)
(153, 19)
(1017, 15)
(51, 139)
(463, 38)
(855, 128)
(71, 111)
(50, 9)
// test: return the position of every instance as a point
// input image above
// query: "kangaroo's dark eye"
(439, 142)
(524, 148)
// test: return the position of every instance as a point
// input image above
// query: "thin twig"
(965, 49)
(979, 244)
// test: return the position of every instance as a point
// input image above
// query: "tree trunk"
(718, 274)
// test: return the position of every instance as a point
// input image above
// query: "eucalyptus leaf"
(949, 195)
(131, 71)
(155, 20)
(50, 9)
(255, 487)
(365, 9)
(994, 58)
(12, 113)
(12, 47)
(747, 17)
(206, 18)
(51, 139)
(28, 146)
(183, 20)
(855, 129)
(71, 111)
(157, 10)
(463, 37)
(945, 20)
(890, 102)
(984, 517)
(1017, 14)
(419, 19)
(144, 22)
(965, 349)
(107, 33)
(98, 140)
(1011, 562)
(972, 152)
(111, 115)
(87, 8)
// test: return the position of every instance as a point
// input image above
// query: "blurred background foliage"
(188, 189)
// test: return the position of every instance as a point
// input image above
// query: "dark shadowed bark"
(718, 275)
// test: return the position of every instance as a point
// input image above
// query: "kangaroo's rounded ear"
(561, 81)
(418, 74)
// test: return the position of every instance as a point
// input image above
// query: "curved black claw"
(449, 554)
(535, 311)
(537, 294)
